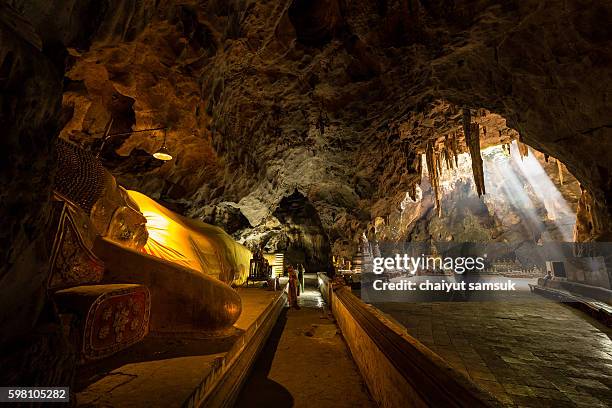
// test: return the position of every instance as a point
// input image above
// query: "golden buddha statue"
(109, 236)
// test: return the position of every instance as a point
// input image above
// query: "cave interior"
(296, 127)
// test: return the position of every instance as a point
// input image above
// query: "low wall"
(325, 286)
(587, 303)
(593, 292)
(398, 370)
(222, 386)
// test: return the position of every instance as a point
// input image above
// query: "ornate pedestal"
(105, 318)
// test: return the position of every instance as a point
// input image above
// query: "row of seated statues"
(124, 265)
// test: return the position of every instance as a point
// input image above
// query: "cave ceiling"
(334, 99)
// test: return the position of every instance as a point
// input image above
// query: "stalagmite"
(472, 140)
(432, 169)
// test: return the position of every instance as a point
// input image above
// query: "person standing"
(301, 276)
(293, 287)
(548, 278)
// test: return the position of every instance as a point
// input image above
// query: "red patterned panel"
(115, 321)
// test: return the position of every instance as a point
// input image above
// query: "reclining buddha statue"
(123, 264)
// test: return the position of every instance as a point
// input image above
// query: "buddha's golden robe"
(191, 243)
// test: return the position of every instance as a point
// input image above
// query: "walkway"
(305, 362)
(533, 354)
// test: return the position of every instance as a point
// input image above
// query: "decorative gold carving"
(103, 333)
(90, 190)
(72, 263)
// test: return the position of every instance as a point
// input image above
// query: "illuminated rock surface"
(333, 102)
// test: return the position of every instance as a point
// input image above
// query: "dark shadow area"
(307, 241)
(154, 348)
(259, 390)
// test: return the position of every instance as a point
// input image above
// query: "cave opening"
(305, 240)
(477, 182)
(528, 197)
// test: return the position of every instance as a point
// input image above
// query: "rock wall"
(334, 98)
(304, 238)
(33, 349)
(33, 57)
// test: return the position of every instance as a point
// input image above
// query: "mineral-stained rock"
(30, 89)
(225, 215)
(262, 98)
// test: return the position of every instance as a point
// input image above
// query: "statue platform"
(183, 370)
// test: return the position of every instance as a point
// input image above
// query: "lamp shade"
(163, 154)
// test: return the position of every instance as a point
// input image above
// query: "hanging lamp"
(163, 153)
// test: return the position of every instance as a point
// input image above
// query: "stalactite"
(455, 147)
(450, 155)
(477, 166)
(414, 164)
(472, 140)
(560, 169)
(444, 157)
(412, 191)
(467, 119)
(432, 169)
(523, 149)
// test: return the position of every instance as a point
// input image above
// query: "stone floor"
(532, 354)
(305, 362)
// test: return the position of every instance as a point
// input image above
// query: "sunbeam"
(514, 187)
(558, 210)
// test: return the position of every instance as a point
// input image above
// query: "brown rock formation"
(263, 98)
